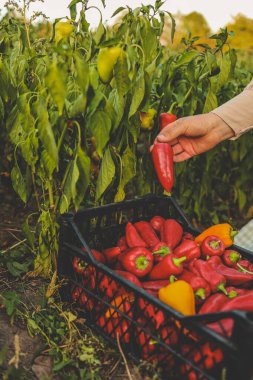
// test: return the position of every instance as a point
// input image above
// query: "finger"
(174, 142)
(181, 157)
(171, 132)
(177, 149)
(151, 147)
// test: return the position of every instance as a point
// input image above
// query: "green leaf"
(55, 81)
(78, 107)
(121, 75)
(138, 94)
(118, 10)
(30, 236)
(118, 103)
(69, 190)
(19, 183)
(47, 164)
(128, 172)
(72, 8)
(1, 108)
(106, 174)
(149, 40)
(45, 131)
(11, 301)
(83, 163)
(99, 33)
(17, 269)
(224, 72)
(173, 26)
(82, 70)
(99, 126)
(242, 199)
(211, 101)
(187, 57)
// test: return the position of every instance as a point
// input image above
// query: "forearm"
(238, 112)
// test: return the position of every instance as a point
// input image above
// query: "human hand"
(193, 135)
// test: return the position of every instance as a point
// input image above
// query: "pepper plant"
(70, 106)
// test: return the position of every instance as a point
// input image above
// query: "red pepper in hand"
(112, 254)
(212, 246)
(147, 233)
(231, 257)
(171, 232)
(166, 119)
(133, 238)
(138, 261)
(170, 265)
(122, 244)
(162, 156)
(130, 277)
(188, 248)
(214, 303)
(157, 223)
(160, 250)
(199, 285)
(216, 281)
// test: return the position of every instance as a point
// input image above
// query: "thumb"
(172, 131)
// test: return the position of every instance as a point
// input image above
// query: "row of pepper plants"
(70, 107)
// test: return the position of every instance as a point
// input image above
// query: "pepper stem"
(163, 251)
(215, 244)
(243, 269)
(141, 262)
(172, 279)
(200, 293)
(233, 233)
(234, 257)
(222, 288)
(232, 294)
(178, 260)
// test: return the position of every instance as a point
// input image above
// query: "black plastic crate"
(176, 343)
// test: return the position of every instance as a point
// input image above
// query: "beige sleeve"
(238, 112)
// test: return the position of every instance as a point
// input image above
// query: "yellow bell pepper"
(63, 29)
(147, 119)
(107, 59)
(180, 296)
(223, 231)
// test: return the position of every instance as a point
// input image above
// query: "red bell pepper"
(189, 249)
(122, 244)
(97, 255)
(118, 266)
(191, 267)
(112, 254)
(199, 285)
(211, 354)
(138, 261)
(169, 335)
(157, 223)
(214, 303)
(130, 277)
(133, 238)
(235, 292)
(144, 340)
(151, 312)
(162, 156)
(79, 265)
(115, 327)
(170, 265)
(171, 233)
(108, 286)
(78, 295)
(155, 285)
(214, 260)
(212, 246)
(160, 250)
(231, 257)
(216, 280)
(166, 119)
(119, 304)
(188, 236)
(232, 276)
(147, 233)
(245, 266)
